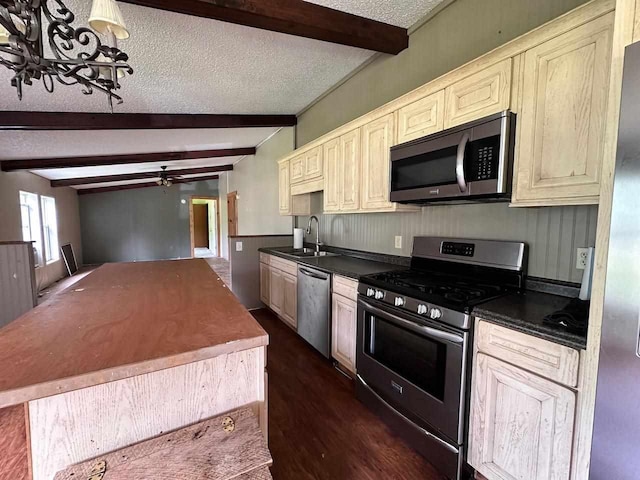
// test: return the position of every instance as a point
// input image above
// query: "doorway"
(204, 224)
(232, 213)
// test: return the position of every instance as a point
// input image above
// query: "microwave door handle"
(462, 183)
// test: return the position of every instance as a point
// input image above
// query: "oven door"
(416, 366)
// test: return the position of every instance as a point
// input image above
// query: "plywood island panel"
(132, 351)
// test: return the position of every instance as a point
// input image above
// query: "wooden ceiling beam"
(294, 17)
(69, 182)
(135, 121)
(131, 186)
(102, 160)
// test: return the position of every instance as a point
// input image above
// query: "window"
(40, 226)
(50, 229)
(30, 214)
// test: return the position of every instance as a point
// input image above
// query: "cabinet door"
(290, 302)
(276, 290)
(297, 168)
(284, 189)
(481, 94)
(377, 138)
(350, 170)
(313, 163)
(420, 118)
(264, 284)
(331, 196)
(343, 331)
(561, 121)
(521, 424)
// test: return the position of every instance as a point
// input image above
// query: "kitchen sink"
(308, 252)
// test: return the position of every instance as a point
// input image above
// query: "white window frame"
(49, 224)
(33, 231)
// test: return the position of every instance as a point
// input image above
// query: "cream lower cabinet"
(265, 277)
(344, 311)
(278, 278)
(289, 312)
(521, 423)
(276, 290)
(561, 120)
(343, 331)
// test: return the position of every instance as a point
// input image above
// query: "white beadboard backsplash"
(552, 233)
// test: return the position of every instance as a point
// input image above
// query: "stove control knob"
(398, 302)
(422, 309)
(370, 292)
(379, 295)
(435, 313)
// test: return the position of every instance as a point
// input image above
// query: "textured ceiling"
(402, 13)
(42, 144)
(185, 64)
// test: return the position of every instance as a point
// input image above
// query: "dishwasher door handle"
(309, 273)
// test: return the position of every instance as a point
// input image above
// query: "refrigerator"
(615, 452)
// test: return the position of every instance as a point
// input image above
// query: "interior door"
(232, 213)
(201, 225)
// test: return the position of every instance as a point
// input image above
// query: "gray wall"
(245, 265)
(255, 178)
(68, 218)
(459, 33)
(141, 224)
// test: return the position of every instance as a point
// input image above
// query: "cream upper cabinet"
(342, 173)
(422, 117)
(288, 204)
(350, 171)
(290, 300)
(284, 188)
(331, 196)
(521, 424)
(343, 331)
(377, 138)
(478, 95)
(297, 168)
(561, 119)
(265, 293)
(313, 163)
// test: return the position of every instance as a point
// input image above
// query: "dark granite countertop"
(345, 265)
(525, 312)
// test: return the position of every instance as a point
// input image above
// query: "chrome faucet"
(318, 242)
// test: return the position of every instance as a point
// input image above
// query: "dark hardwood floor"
(317, 427)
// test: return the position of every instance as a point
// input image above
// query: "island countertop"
(122, 320)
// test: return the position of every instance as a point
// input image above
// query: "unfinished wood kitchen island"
(132, 351)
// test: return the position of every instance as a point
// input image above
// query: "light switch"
(398, 241)
(238, 246)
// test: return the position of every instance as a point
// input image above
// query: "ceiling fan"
(165, 179)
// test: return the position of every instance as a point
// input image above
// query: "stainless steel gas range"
(415, 338)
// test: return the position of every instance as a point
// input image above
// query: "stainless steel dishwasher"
(314, 308)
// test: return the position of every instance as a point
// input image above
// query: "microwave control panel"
(483, 159)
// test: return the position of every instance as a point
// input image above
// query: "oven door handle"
(402, 417)
(462, 183)
(420, 329)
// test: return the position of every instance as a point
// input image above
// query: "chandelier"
(77, 55)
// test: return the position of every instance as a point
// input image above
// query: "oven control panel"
(457, 248)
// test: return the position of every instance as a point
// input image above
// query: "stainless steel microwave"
(472, 162)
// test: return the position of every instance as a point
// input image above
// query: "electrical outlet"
(398, 241)
(238, 246)
(581, 258)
